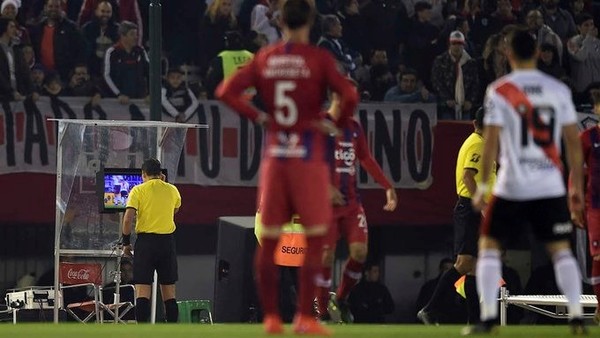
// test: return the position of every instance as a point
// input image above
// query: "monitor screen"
(115, 184)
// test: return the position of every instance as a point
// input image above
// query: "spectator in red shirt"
(57, 41)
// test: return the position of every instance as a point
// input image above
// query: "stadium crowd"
(406, 51)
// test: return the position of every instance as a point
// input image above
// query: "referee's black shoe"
(578, 327)
(427, 317)
(481, 329)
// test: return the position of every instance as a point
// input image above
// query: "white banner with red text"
(228, 152)
(400, 137)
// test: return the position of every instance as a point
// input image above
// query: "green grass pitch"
(255, 330)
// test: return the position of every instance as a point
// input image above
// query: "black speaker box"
(235, 298)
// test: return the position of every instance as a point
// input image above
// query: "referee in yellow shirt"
(466, 229)
(155, 203)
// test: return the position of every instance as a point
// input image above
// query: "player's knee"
(486, 242)
(557, 247)
(358, 253)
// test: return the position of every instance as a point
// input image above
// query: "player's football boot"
(347, 316)
(578, 327)
(273, 324)
(308, 325)
(325, 318)
(481, 329)
(333, 308)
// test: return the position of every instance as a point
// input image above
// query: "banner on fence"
(400, 137)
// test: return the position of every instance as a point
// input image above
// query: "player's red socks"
(351, 276)
(324, 285)
(267, 276)
(596, 279)
(309, 273)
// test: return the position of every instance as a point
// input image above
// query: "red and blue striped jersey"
(351, 149)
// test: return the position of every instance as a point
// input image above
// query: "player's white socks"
(568, 280)
(489, 272)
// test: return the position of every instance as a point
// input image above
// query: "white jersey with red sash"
(532, 108)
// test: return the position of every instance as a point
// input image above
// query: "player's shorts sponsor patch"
(562, 228)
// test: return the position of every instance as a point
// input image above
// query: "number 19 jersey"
(532, 108)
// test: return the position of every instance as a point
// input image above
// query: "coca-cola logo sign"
(78, 274)
(73, 273)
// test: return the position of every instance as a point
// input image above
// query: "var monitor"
(114, 186)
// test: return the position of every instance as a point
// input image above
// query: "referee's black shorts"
(155, 252)
(466, 227)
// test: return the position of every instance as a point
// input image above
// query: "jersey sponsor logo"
(537, 164)
(286, 66)
(289, 146)
(533, 90)
(345, 154)
(596, 145)
(562, 228)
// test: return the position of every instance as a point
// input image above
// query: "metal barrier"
(533, 303)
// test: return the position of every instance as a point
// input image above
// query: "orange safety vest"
(291, 248)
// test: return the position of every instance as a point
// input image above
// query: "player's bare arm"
(575, 162)
(369, 163)
(373, 168)
(491, 136)
(391, 200)
(127, 226)
(468, 179)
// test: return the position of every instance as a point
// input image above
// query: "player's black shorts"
(466, 227)
(549, 219)
(155, 252)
